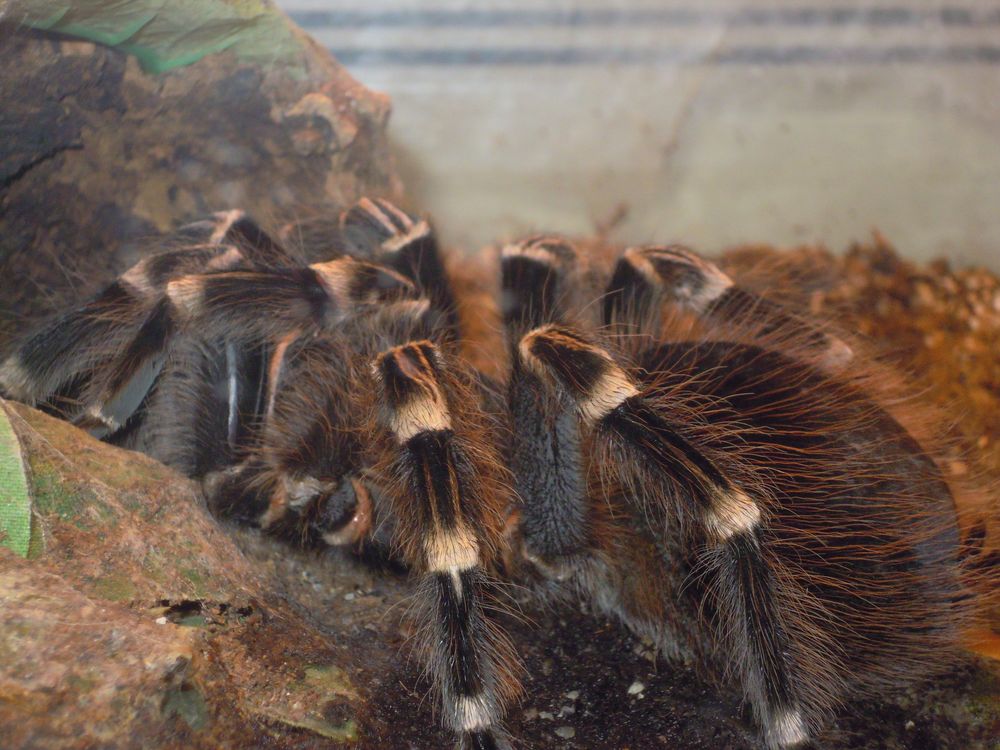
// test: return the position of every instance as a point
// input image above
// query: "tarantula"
(713, 468)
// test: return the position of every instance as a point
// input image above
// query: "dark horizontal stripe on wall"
(803, 16)
(569, 56)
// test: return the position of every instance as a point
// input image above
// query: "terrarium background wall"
(713, 123)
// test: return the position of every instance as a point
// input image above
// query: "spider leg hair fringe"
(829, 538)
(705, 501)
(407, 245)
(547, 458)
(95, 364)
(447, 492)
(646, 277)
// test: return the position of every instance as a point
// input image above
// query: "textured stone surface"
(137, 622)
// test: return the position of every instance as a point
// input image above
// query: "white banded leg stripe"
(731, 512)
(611, 389)
(425, 413)
(788, 729)
(451, 551)
(418, 231)
(472, 714)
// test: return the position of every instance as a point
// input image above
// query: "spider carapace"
(719, 472)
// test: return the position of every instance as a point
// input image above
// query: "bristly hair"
(703, 459)
(433, 455)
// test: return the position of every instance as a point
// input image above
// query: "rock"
(141, 623)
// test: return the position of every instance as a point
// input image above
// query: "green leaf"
(168, 35)
(15, 500)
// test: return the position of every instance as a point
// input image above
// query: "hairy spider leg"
(98, 362)
(547, 452)
(89, 356)
(263, 304)
(408, 245)
(703, 499)
(448, 515)
(646, 277)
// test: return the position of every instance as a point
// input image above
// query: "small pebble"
(566, 733)
(349, 597)
(573, 694)
(635, 688)
(545, 715)
(161, 620)
(908, 726)
(566, 711)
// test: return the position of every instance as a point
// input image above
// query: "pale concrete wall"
(713, 122)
